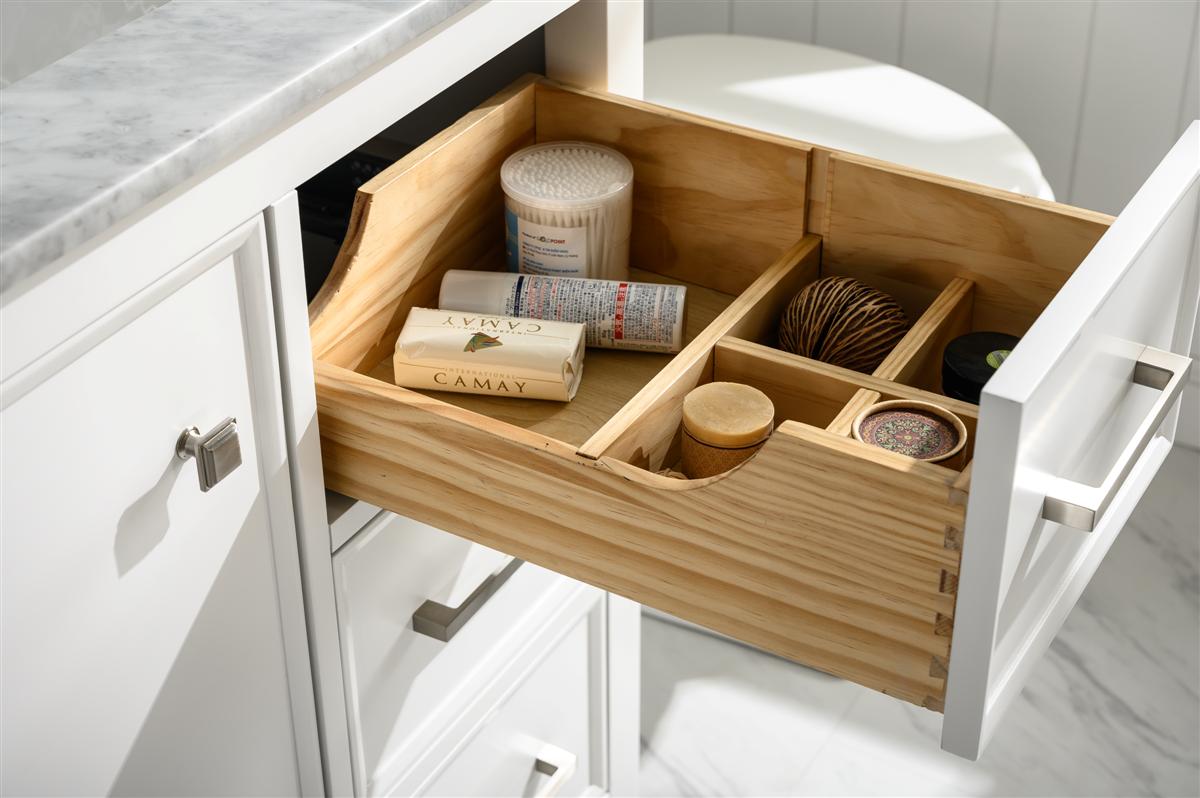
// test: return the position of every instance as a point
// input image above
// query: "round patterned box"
(918, 429)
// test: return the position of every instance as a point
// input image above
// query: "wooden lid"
(728, 414)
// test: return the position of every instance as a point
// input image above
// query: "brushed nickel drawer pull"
(557, 763)
(217, 452)
(442, 623)
(1081, 506)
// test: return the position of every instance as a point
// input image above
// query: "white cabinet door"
(144, 637)
(1072, 429)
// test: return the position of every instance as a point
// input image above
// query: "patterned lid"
(918, 433)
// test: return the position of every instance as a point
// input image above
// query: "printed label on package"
(543, 249)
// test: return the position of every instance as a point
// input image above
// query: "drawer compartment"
(819, 548)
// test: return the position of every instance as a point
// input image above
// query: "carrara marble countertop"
(94, 137)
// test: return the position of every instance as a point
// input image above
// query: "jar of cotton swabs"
(568, 209)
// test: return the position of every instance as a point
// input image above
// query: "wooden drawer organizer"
(822, 549)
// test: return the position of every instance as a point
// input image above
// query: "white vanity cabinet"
(153, 628)
(167, 635)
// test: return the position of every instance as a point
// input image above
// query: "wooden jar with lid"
(724, 423)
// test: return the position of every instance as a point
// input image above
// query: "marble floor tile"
(1113, 709)
(715, 703)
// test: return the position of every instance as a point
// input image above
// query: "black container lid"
(970, 360)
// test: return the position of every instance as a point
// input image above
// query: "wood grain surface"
(843, 423)
(644, 429)
(820, 548)
(440, 207)
(611, 378)
(772, 553)
(917, 359)
(904, 225)
(712, 204)
(745, 360)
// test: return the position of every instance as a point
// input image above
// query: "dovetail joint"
(948, 583)
(953, 539)
(943, 625)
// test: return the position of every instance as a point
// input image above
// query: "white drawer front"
(404, 688)
(1072, 429)
(538, 742)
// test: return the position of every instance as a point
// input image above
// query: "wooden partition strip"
(642, 431)
(917, 359)
(713, 204)
(440, 207)
(749, 358)
(730, 349)
(901, 224)
(810, 397)
(844, 423)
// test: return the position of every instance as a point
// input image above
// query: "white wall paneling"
(1037, 78)
(874, 28)
(1134, 86)
(950, 43)
(793, 20)
(1189, 108)
(677, 17)
(1098, 89)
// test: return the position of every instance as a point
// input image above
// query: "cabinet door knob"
(218, 452)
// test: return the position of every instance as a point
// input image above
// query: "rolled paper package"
(649, 317)
(444, 350)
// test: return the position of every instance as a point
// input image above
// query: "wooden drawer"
(404, 687)
(851, 559)
(539, 741)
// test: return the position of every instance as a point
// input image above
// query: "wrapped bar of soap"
(444, 350)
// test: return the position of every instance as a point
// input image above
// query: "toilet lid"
(840, 100)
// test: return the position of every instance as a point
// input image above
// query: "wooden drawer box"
(830, 552)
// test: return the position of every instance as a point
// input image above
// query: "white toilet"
(840, 100)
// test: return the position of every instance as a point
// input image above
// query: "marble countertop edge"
(65, 182)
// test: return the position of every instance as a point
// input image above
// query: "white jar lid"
(564, 174)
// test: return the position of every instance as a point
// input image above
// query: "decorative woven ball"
(842, 321)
